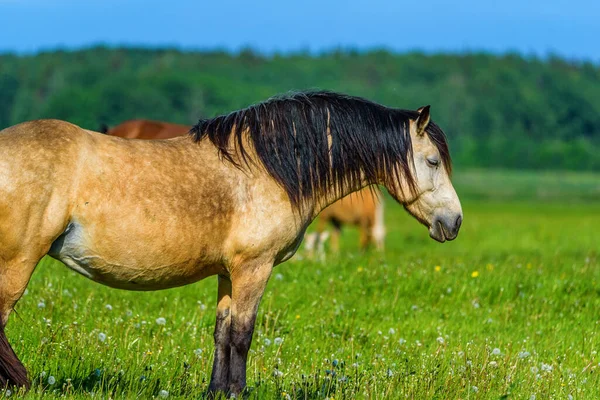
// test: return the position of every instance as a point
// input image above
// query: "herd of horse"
(231, 196)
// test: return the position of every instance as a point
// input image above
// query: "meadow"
(511, 309)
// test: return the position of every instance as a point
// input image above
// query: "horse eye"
(434, 162)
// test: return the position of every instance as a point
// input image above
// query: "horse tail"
(104, 128)
(378, 231)
(12, 371)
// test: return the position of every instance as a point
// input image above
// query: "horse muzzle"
(445, 228)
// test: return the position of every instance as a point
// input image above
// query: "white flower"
(267, 342)
(390, 373)
(392, 331)
(493, 364)
(101, 337)
(546, 367)
(197, 352)
(278, 341)
(161, 321)
(7, 393)
(402, 341)
(532, 397)
(129, 313)
(475, 389)
(524, 354)
(163, 394)
(41, 304)
(279, 277)
(496, 352)
(51, 380)
(277, 373)
(108, 307)
(440, 340)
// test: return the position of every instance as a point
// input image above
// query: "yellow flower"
(297, 316)
(474, 274)
(490, 267)
(528, 265)
(438, 268)
(360, 269)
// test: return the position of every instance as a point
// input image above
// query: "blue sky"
(567, 28)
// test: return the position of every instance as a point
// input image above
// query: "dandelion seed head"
(101, 337)
(161, 321)
(163, 394)
(108, 307)
(278, 341)
(51, 380)
(496, 352)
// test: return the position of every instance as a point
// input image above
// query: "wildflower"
(389, 373)
(475, 389)
(392, 331)
(51, 380)
(440, 340)
(359, 269)
(534, 370)
(438, 268)
(163, 394)
(474, 274)
(7, 393)
(414, 307)
(279, 277)
(41, 304)
(101, 337)
(108, 307)
(493, 364)
(496, 352)
(278, 341)
(161, 321)
(546, 367)
(267, 342)
(277, 373)
(489, 267)
(524, 354)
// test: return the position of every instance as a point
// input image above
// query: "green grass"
(511, 308)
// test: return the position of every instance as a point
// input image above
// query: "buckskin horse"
(232, 199)
(146, 129)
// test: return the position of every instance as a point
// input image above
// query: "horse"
(363, 209)
(146, 129)
(233, 199)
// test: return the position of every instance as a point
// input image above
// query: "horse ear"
(422, 120)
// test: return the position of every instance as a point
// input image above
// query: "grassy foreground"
(511, 309)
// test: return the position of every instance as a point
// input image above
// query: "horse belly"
(123, 269)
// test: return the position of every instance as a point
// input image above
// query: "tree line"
(507, 111)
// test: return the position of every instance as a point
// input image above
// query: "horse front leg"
(219, 379)
(249, 282)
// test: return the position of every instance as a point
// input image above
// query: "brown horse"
(363, 209)
(146, 129)
(232, 199)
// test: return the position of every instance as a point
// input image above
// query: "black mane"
(290, 137)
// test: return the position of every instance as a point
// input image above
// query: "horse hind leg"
(14, 277)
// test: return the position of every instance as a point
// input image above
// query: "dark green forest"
(506, 111)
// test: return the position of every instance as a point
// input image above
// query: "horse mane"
(314, 142)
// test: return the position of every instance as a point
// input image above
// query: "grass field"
(511, 309)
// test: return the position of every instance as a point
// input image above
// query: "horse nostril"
(457, 223)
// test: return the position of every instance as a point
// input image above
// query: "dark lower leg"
(219, 380)
(247, 292)
(12, 371)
